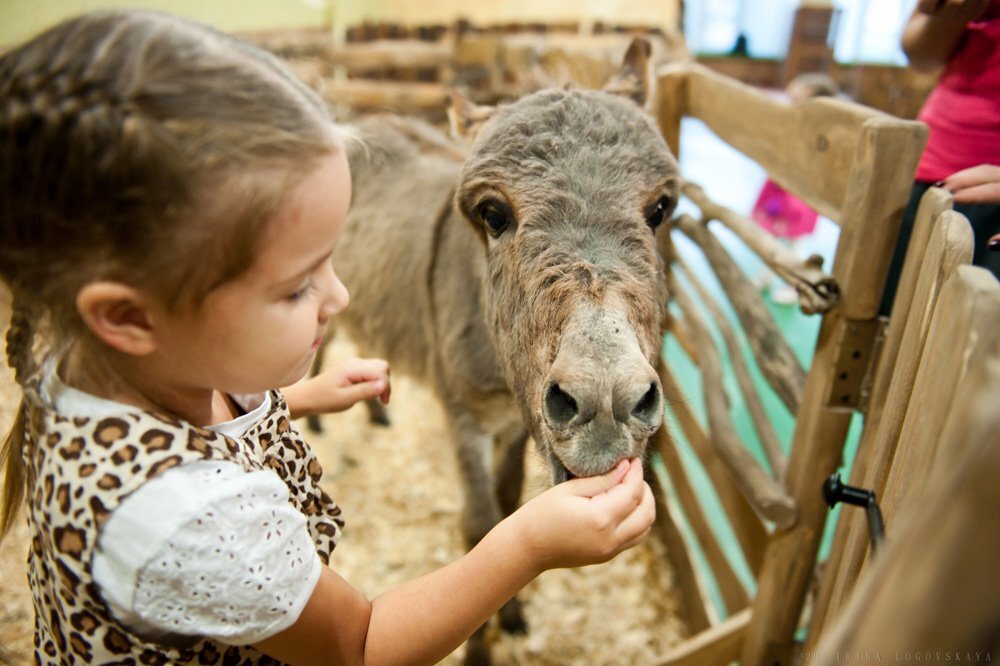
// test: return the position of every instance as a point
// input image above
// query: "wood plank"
(691, 584)
(878, 190)
(961, 320)
(944, 242)
(386, 95)
(718, 645)
(734, 595)
(386, 53)
(670, 105)
(928, 592)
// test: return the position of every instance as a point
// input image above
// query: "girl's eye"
(301, 291)
(658, 212)
(495, 215)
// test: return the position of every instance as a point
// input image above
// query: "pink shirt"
(963, 111)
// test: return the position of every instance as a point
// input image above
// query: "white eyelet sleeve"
(207, 549)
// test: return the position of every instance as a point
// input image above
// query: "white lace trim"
(207, 549)
(70, 401)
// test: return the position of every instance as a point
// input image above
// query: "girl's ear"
(117, 314)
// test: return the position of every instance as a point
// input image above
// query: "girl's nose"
(335, 296)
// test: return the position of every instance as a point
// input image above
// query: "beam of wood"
(744, 521)
(879, 182)
(691, 584)
(386, 95)
(679, 329)
(758, 415)
(670, 105)
(765, 495)
(718, 645)
(817, 290)
(734, 595)
(807, 148)
(941, 243)
(877, 194)
(383, 53)
(775, 358)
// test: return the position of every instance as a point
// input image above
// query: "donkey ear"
(633, 77)
(466, 117)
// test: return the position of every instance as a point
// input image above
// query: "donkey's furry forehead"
(567, 135)
(583, 115)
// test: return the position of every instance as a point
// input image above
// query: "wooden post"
(878, 187)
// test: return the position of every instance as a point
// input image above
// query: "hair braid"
(20, 339)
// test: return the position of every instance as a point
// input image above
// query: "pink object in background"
(782, 214)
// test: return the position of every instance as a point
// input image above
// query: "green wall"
(20, 19)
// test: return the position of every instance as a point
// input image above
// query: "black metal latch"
(835, 491)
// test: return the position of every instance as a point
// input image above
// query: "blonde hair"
(139, 147)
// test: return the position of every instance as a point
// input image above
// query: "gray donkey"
(520, 281)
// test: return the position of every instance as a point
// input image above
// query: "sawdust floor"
(399, 488)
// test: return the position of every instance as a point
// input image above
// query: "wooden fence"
(927, 383)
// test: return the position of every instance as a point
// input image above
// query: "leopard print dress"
(78, 470)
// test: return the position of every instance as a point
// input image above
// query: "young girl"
(170, 202)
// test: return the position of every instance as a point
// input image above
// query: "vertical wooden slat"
(878, 188)
(958, 323)
(690, 583)
(671, 103)
(734, 595)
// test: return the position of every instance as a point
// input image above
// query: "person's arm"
(339, 388)
(935, 29)
(582, 521)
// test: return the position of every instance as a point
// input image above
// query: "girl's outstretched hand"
(340, 387)
(587, 520)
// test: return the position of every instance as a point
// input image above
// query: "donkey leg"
(509, 486)
(482, 512)
(510, 473)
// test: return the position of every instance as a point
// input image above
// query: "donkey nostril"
(561, 406)
(645, 409)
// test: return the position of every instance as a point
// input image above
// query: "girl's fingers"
(636, 524)
(595, 486)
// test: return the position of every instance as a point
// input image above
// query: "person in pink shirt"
(781, 213)
(962, 114)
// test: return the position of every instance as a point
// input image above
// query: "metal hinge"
(858, 346)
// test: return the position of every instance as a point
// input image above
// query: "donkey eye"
(658, 212)
(495, 215)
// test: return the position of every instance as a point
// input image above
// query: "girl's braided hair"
(139, 147)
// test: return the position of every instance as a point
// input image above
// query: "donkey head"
(566, 189)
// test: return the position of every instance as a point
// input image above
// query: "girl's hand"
(978, 184)
(340, 387)
(587, 520)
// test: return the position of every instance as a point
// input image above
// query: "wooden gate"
(926, 422)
